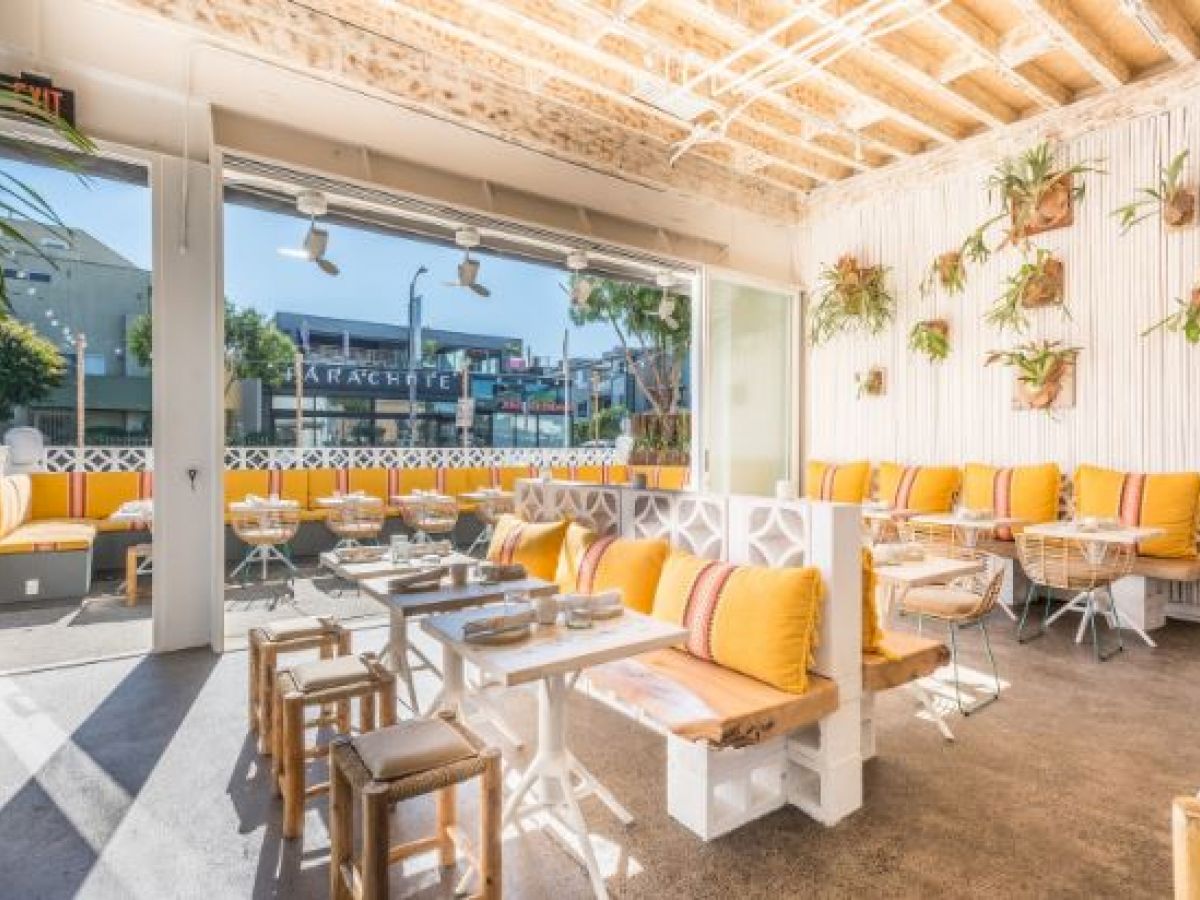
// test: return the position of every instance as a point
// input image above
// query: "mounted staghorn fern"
(1038, 282)
(852, 298)
(931, 339)
(1176, 203)
(1041, 368)
(948, 271)
(1185, 320)
(1037, 191)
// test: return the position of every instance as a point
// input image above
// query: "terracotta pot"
(1046, 288)
(1180, 210)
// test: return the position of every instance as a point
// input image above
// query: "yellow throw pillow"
(925, 489)
(840, 483)
(591, 563)
(1166, 501)
(536, 546)
(1028, 493)
(754, 620)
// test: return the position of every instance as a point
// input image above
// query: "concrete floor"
(134, 779)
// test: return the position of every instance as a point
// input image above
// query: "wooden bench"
(904, 658)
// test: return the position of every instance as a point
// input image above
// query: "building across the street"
(78, 286)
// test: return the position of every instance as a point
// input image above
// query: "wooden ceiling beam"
(968, 29)
(580, 74)
(1092, 52)
(1165, 25)
(744, 22)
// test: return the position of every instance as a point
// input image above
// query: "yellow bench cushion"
(509, 475)
(926, 489)
(48, 537)
(838, 482)
(591, 563)
(1166, 501)
(52, 495)
(759, 621)
(16, 502)
(536, 546)
(1028, 493)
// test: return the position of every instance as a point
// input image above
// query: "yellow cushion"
(372, 482)
(617, 475)
(48, 537)
(758, 621)
(408, 480)
(16, 501)
(241, 482)
(324, 483)
(926, 489)
(510, 474)
(838, 483)
(51, 495)
(456, 482)
(591, 563)
(872, 634)
(672, 478)
(104, 492)
(1028, 493)
(561, 473)
(1165, 501)
(535, 545)
(291, 484)
(592, 474)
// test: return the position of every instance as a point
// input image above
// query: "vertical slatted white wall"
(1136, 398)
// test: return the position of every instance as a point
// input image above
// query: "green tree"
(18, 200)
(254, 346)
(30, 366)
(655, 347)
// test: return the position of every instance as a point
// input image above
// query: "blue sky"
(526, 300)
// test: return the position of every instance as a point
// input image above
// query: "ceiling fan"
(468, 269)
(316, 240)
(581, 287)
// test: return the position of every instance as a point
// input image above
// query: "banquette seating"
(755, 715)
(56, 529)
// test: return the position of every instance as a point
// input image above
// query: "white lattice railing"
(137, 459)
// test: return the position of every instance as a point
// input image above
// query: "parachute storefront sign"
(329, 378)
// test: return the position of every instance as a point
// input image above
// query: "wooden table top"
(1125, 534)
(556, 649)
(448, 598)
(382, 568)
(987, 523)
(930, 570)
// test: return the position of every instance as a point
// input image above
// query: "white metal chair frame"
(264, 530)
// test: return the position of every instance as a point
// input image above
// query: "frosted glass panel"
(749, 408)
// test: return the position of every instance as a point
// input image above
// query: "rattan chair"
(1084, 568)
(264, 530)
(356, 520)
(429, 516)
(935, 540)
(959, 607)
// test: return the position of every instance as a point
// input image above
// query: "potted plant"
(852, 298)
(1176, 203)
(948, 271)
(1038, 192)
(871, 383)
(931, 338)
(1038, 282)
(1041, 368)
(1185, 320)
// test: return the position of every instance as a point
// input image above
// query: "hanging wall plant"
(948, 271)
(1043, 369)
(931, 339)
(852, 298)
(1185, 320)
(1176, 203)
(975, 248)
(1038, 191)
(1038, 282)
(872, 382)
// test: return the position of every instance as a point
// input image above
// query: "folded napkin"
(500, 622)
(502, 572)
(419, 580)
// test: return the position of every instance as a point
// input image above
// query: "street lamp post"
(414, 353)
(80, 375)
(298, 363)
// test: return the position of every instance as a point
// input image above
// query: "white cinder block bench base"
(1141, 601)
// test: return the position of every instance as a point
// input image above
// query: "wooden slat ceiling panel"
(753, 103)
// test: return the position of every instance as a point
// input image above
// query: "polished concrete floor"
(134, 779)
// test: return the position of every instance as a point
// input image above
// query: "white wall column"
(188, 423)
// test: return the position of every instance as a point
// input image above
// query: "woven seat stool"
(267, 642)
(327, 684)
(414, 758)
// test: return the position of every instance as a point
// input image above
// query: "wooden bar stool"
(325, 683)
(285, 636)
(416, 757)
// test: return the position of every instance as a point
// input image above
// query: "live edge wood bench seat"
(701, 701)
(903, 658)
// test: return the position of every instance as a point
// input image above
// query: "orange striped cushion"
(1166, 501)
(1028, 493)
(754, 620)
(842, 483)
(536, 546)
(591, 563)
(926, 489)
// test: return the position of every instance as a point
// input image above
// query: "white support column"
(1141, 601)
(188, 408)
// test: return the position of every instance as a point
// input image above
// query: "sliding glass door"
(751, 350)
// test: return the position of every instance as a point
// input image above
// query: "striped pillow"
(754, 620)
(842, 483)
(1167, 501)
(591, 563)
(1028, 493)
(926, 489)
(536, 546)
